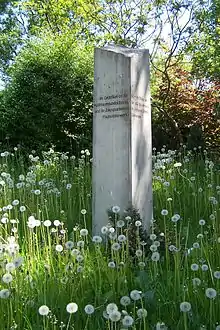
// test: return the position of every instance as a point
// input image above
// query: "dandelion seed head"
(116, 246)
(194, 267)
(217, 274)
(115, 316)
(59, 248)
(112, 307)
(120, 223)
(164, 212)
(205, 268)
(57, 223)
(125, 301)
(97, 239)
(135, 295)
(142, 313)
(89, 309)
(72, 308)
(111, 264)
(196, 281)
(104, 230)
(84, 232)
(210, 293)
(127, 321)
(138, 253)
(121, 238)
(185, 307)
(116, 209)
(43, 310)
(7, 278)
(4, 293)
(155, 256)
(10, 267)
(47, 223)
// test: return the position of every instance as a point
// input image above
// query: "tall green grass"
(45, 209)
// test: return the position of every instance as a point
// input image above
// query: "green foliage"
(205, 46)
(49, 98)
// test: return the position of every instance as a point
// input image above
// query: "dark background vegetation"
(46, 65)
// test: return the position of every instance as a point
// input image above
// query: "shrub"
(49, 98)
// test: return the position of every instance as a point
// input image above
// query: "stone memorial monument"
(122, 159)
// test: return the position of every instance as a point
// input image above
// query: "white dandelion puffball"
(111, 264)
(79, 258)
(121, 238)
(83, 211)
(104, 230)
(125, 301)
(138, 223)
(141, 264)
(18, 261)
(22, 208)
(57, 223)
(7, 278)
(185, 306)
(194, 267)
(43, 310)
(196, 281)
(80, 269)
(205, 268)
(47, 223)
(115, 316)
(110, 308)
(218, 327)
(120, 223)
(142, 313)
(10, 267)
(155, 256)
(75, 252)
(116, 209)
(164, 212)
(127, 321)
(59, 248)
(217, 274)
(138, 253)
(72, 308)
(97, 239)
(202, 222)
(15, 202)
(177, 165)
(175, 218)
(89, 309)
(153, 237)
(210, 293)
(196, 245)
(135, 295)
(116, 246)
(69, 245)
(153, 248)
(84, 232)
(4, 293)
(80, 244)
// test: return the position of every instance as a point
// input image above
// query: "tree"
(49, 98)
(193, 108)
(205, 46)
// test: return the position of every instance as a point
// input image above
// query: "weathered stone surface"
(121, 133)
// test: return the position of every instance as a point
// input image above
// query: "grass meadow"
(56, 275)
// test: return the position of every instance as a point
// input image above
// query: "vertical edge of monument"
(141, 137)
(111, 134)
